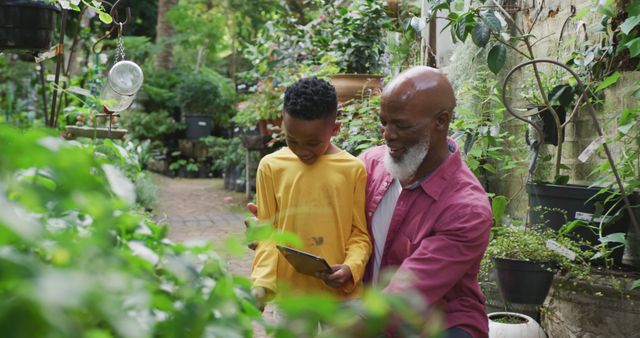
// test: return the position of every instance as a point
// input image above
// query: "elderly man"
(428, 215)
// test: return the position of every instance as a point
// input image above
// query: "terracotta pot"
(392, 8)
(355, 86)
(527, 328)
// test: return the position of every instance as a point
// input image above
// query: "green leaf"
(628, 116)
(635, 284)
(481, 34)
(634, 8)
(634, 47)
(610, 80)
(629, 24)
(561, 180)
(616, 237)
(105, 18)
(581, 13)
(497, 57)
(492, 21)
(606, 10)
(498, 206)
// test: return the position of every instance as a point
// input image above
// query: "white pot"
(528, 329)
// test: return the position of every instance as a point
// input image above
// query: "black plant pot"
(523, 282)
(554, 205)
(27, 24)
(198, 126)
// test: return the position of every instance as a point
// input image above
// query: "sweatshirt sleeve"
(359, 243)
(265, 262)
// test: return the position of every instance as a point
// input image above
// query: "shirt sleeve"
(445, 256)
(265, 262)
(359, 243)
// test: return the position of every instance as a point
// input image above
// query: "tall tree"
(164, 35)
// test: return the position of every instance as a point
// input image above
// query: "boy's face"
(309, 139)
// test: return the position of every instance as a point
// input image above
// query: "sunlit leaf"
(120, 184)
(105, 18)
(610, 80)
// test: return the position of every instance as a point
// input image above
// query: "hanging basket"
(27, 25)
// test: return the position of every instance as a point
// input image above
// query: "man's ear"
(443, 119)
(336, 128)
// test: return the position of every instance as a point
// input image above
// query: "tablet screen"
(305, 262)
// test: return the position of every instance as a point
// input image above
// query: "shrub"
(206, 93)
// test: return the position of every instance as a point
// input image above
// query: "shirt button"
(370, 213)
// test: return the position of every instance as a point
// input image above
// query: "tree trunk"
(165, 31)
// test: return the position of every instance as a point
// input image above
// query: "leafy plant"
(531, 244)
(203, 94)
(150, 126)
(360, 127)
(175, 166)
(227, 154)
(358, 36)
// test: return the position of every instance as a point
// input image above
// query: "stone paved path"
(200, 209)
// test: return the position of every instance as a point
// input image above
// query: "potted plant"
(27, 24)
(525, 260)
(511, 324)
(203, 102)
(192, 169)
(357, 47)
(262, 107)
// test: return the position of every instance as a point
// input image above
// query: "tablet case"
(305, 262)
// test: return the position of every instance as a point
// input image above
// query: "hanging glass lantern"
(123, 82)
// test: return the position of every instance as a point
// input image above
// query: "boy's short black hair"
(311, 99)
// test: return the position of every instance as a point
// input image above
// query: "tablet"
(305, 262)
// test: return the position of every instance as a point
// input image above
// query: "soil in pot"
(508, 319)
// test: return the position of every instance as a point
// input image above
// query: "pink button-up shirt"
(439, 232)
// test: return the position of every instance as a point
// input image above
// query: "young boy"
(317, 191)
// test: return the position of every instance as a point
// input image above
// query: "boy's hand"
(261, 296)
(340, 276)
(254, 210)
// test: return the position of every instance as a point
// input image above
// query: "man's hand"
(254, 210)
(340, 276)
(261, 296)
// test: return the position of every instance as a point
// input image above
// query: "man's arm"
(458, 243)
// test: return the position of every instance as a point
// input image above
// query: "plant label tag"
(559, 248)
(52, 52)
(587, 217)
(52, 78)
(589, 150)
(79, 91)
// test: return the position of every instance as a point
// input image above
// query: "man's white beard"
(406, 166)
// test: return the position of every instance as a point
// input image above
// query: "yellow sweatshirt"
(323, 204)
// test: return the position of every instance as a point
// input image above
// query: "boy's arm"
(263, 270)
(359, 242)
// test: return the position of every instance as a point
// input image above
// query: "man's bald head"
(421, 87)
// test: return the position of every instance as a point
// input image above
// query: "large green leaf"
(481, 34)
(497, 57)
(634, 47)
(492, 21)
(610, 80)
(498, 205)
(616, 237)
(629, 24)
